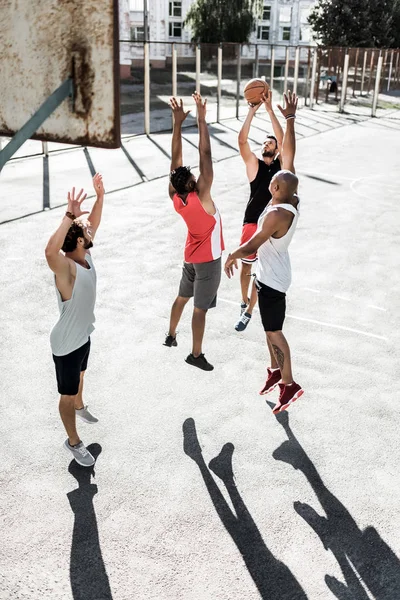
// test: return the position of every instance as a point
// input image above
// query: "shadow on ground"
(273, 579)
(365, 560)
(89, 579)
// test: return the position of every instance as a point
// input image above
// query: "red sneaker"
(289, 394)
(273, 379)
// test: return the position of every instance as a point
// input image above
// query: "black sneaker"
(200, 362)
(170, 341)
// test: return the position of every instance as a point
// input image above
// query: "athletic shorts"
(248, 230)
(201, 280)
(69, 368)
(272, 306)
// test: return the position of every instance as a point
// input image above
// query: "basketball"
(254, 89)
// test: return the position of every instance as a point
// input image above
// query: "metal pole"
(198, 67)
(272, 68)
(363, 71)
(390, 70)
(256, 64)
(174, 71)
(219, 85)
(45, 148)
(319, 74)
(145, 22)
(238, 77)
(313, 74)
(371, 68)
(396, 71)
(355, 72)
(296, 69)
(286, 69)
(146, 88)
(377, 84)
(344, 83)
(307, 77)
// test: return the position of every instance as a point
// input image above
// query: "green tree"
(357, 23)
(214, 21)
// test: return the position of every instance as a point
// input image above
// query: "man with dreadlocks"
(201, 273)
(68, 256)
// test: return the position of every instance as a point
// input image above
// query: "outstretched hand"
(74, 204)
(267, 100)
(178, 110)
(98, 184)
(291, 101)
(229, 264)
(200, 105)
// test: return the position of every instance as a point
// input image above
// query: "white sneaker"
(85, 415)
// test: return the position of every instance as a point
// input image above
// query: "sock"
(273, 370)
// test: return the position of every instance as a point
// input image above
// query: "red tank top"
(204, 241)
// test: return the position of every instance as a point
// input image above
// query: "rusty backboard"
(42, 44)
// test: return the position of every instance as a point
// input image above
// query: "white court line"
(307, 289)
(342, 298)
(323, 323)
(377, 307)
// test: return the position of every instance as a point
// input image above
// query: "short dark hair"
(179, 178)
(271, 137)
(71, 239)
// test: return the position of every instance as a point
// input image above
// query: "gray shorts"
(201, 280)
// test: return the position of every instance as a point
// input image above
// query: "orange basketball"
(254, 89)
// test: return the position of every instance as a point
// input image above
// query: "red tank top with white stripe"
(204, 241)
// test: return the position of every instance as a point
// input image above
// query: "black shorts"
(69, 368)
(272, 305)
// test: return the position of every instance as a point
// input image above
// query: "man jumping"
(68, 256)
(259, 173)
(276, 228)
(201, 273)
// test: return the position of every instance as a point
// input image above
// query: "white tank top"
(273, 266)
(75, 323)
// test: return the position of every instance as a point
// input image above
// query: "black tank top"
(259, 192)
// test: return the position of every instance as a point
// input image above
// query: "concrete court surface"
(312, 511)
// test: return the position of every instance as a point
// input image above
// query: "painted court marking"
(323, 323)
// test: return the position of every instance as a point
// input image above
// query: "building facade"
(282, 22)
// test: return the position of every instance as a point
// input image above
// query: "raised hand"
(98, 184)
(200, 105)
(178, 110)
(267, 99)
(74, 204)
(291, 101)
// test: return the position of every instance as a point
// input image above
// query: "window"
(285, 14)
(175, 8)
(137, 33)
(266, 16)
(304, 33)
(286, 34)
(175, 29)
(262, 33)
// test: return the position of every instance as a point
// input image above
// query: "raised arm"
(276, 126)
(249, 158)
(95, 215)
(57, 262)
(289, 138)
(206, 175)
(178, 116)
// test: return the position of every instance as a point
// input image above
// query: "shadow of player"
(362, 555)
(89, 579)
(273, 579)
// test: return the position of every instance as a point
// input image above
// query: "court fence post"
(238, 77)
(296, 69)
(287, 56)
(146, 88)
(198, 68)
(344, 82)
(363, 71)
(377, 85)
(174, 71)
(219, 85)
(256, 62)
(271, 83)
(390, 70)
(313, 74)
